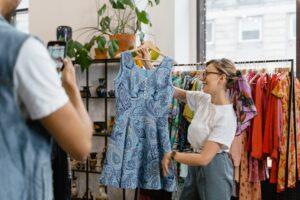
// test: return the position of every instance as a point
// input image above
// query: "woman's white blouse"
(211, 122)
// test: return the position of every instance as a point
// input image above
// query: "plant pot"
(100, 55)
(126, 41)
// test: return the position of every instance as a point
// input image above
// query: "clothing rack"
(239, 62)
(292, 100)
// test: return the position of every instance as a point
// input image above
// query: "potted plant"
(118, 23)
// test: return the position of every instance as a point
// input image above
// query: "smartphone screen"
(57, 51)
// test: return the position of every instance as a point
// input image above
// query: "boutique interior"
(104, 39)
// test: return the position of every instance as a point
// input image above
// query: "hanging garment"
(243, 104)
(140, 136)
(273, 127)
(248, 190)
(174, 114)
(282, 90)
(256, 150)
(261, 95)
(297, 89)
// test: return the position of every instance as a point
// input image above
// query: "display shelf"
(114, 60)
(102, 134)
(102, 61)
(87, 171)
(88, 98)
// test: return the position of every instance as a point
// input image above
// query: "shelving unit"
(87, 98)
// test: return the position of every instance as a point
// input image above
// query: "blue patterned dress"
(140, 137)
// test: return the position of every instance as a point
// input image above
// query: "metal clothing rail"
(238, 62)
(265, 61)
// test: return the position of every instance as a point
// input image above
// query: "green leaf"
(71, 49)
(143, 16)
(102, 10)
(150, 3)
(112, 48)
(115, 44)
(117, 4)
(90, 44)
(129, 3)
(77, 45)
(83, 59)
(105, 23)
(101, 41)
(157, 2)
(134, 54)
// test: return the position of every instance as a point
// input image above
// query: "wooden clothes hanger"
(147, 45)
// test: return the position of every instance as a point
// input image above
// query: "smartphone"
(58, 51)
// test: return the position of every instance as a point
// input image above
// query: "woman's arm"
(192, 159)
(180, 94)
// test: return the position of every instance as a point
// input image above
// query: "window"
(21, 17)
(246, 30)
(293, 26)
(250, 29)
(209, 32)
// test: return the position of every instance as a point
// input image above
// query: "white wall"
(45, 16)
(174, 39)
(162, 17)
(174, 29)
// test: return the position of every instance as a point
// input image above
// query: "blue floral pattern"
(140, 137)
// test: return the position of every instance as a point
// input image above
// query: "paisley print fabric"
(140, 136)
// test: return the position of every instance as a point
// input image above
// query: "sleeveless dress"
(140, 136)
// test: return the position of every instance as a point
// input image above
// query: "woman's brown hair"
(226, 67)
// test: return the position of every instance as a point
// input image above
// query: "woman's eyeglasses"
(205, 73)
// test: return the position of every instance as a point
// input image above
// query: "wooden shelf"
(114, 60)
(102, 134)
(85, 171)
(102, 61)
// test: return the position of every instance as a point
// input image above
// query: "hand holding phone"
(58, 51)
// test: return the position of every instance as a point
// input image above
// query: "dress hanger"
(146, 45)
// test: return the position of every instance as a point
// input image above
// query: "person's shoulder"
(33, 42)
(34, 49)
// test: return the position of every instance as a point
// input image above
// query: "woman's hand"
(145, 55)
(68, 76)
(166, 163)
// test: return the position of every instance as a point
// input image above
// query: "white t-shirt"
(211, 122)
(36, 81)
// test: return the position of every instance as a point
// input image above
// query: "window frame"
(19, 11)
(260, 29)
(201, 53)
